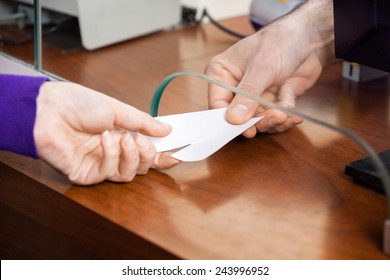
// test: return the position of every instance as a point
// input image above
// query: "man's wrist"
(317, 17)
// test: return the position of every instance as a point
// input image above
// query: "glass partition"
(29, 31)
(74, 27)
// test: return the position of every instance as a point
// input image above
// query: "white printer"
(263, 12)
(105, 22)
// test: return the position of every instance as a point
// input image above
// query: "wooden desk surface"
(281, 196)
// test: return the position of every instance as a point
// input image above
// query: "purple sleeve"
(18, 96)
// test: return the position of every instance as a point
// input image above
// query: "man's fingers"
(291, 121)
(253, 84)
(286, 96)
(219, 97)
(250, 132)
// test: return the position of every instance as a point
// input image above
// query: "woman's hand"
(84, 134)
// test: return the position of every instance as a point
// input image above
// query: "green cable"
(160, 90)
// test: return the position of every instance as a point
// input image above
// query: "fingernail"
(290, 122)
(165, 124)
(238, 113)
(107, 137)
(271, 122)
(127, 137)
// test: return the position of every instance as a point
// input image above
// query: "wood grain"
(281, 196)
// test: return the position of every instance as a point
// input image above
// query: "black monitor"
(362, 32)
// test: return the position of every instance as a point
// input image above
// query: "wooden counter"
(281, 196)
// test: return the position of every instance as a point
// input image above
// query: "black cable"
(7, 41)
(7, 19)
(48, 30)
(221, 27)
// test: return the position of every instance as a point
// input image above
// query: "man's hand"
(278, 63)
